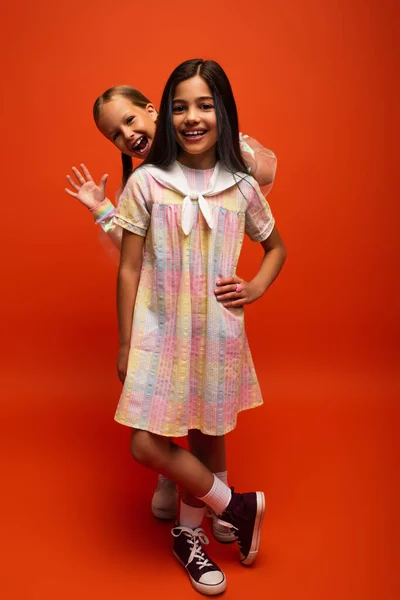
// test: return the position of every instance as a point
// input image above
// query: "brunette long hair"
(164, 149)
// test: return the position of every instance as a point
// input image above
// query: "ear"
(151, 109)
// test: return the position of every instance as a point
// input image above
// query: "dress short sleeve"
(133, 212)
(259, 221)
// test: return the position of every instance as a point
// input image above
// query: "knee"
(141, 447)
(145, 450)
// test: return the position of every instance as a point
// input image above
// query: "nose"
(128, 133)
(192, 115)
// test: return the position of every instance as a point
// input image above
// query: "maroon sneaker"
(245, 513)
(206, 577)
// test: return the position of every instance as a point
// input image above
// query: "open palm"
(86, 190)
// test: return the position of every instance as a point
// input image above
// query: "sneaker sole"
(207, 590)
(255, 541)
(224, 538)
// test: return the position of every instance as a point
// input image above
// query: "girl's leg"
(243, 511)
(211, 451)
(161, 454)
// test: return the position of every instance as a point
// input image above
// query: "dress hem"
(176, 435)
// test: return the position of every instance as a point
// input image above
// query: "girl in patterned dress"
(128, 119)
(184, 357)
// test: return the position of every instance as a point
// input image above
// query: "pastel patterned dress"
(190, 365)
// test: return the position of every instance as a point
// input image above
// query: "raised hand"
(87, 191)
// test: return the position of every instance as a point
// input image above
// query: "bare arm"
(271, 264)
(127, 286)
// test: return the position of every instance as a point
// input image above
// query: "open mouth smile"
(194, 135)
(141, 145)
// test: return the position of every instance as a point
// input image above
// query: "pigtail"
(126, 168)
(136, 98)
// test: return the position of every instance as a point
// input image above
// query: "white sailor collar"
(173, 178)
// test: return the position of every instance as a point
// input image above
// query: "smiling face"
(129, 127)
(195, 123)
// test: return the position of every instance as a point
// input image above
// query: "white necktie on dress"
(174, 179)
(188, 211)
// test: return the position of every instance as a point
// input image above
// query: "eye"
(178, 108)
(129, 120)
(206, 106)
(115, 136)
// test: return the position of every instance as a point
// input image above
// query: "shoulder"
(138, 184)
(137, 177)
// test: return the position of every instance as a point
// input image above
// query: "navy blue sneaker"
(206, 577)
(245, 514)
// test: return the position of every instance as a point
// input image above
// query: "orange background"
(314, 81)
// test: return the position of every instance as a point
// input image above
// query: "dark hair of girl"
(165, 149)
(136, 98)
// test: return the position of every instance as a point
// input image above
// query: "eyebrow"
(200, 98)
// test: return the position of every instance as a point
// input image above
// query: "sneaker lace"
(195, 539)
(216, 520)
(229, 525)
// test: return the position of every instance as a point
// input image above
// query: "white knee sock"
(191, 516)
(218, 497)
(223, 476)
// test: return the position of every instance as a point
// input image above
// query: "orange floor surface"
(324, 448)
